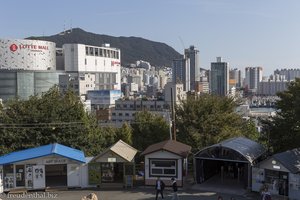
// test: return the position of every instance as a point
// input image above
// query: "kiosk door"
(38, 176)
(73, 175)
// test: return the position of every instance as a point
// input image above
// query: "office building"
(253, 75)
(219, 77)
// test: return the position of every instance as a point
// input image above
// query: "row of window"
(163, 168)
(94, 51)
(121, 114)
(166, 106)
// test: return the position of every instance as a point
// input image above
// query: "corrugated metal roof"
(249, 149)
(122, 149)
(290, 160)
(171, 146)
(42, 151)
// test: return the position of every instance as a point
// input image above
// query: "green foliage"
(49, 118)
(283, 130)
(148, 129)
(124, 133)
(208, 119)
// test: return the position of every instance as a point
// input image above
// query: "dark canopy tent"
(237, 155)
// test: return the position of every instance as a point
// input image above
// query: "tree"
(282, 131)
(124, 133)
(208, 119)
(49, 118)
(148, 128)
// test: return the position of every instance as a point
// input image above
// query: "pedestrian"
(174, 187)
(220, 198)
(159, 186)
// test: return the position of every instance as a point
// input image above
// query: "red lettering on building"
(13, 47)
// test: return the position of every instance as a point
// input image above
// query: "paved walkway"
(122, 194)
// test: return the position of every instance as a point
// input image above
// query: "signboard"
(111, 159)
(28, 176)
(55, 161)
(38, 172)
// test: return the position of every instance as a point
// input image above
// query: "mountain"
(132, 48)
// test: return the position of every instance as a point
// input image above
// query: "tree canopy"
(49, 118)
(148, 128)
(282, 131)
(207, 119)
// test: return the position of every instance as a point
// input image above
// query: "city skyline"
(245, 33)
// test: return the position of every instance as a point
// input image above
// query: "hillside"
(132, 48)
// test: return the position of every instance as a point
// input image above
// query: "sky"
(243, 32)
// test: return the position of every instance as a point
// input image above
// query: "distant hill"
(132, 48)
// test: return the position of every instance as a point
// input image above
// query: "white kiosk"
(52, 165)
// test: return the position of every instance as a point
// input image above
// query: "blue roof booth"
(52, 165)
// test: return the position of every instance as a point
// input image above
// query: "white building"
(253, 75)
(18, 54)
(27, 68)
(92, 67)
(167, 159)
(177, 91)
(125, 110)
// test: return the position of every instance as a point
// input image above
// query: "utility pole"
(173, 115)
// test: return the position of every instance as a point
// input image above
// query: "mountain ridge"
(132, 48)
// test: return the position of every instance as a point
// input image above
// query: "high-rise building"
(253, 75)
(192, 63)
(186, 70)
(235, 78)
(290, 74)
(219, 77)
(180, 73)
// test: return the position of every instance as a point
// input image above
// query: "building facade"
(253, 75)
(193, 64)
(180, 73)
(219, 78)
(92, 68)
(18, 54)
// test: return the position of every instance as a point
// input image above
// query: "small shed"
(113, 165)
(52, 165)
(166, 159)
(280, 173)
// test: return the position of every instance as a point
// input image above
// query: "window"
(101, 52)
(86, 51)
(96, 52)
(120, 114)
(117, 56)
(85, 61)
(108, 53)
(104, 52)
(163, 167)
(91, 51)
(126, 114)
(113, 114)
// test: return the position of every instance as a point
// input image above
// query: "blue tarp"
(46, 150)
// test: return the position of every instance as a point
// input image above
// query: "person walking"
(159, 186)
(174, 187)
